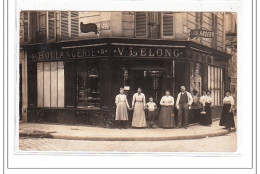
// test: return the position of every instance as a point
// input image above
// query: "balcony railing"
(41, 35)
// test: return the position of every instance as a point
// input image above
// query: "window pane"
(60, 84)
(140, 24)
(216, 85)
(40, 84)
(47, 85)
(54, 84)
(88, 84)
(195, 77)
(167, 23)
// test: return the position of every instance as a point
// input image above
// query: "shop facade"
(76, 82)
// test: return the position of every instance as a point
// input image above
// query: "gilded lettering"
(143, 51)
(168, 52)
(176, 53)
(159, 52)
(73, 53)
(84, 53)
(132, 52)
(78, 52)
(151, 54)
(120, 51)
(93, 52)
(40, 55)
(61, 55)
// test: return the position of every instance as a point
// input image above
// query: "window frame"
(146, 26)
(161, 27)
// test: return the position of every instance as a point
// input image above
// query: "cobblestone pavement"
(225, 143)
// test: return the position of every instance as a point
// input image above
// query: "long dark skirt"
(165, 119)
(227, 118)
(206, 118)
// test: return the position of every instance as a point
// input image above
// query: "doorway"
(150, 82)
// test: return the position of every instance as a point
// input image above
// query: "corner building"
(72, 64)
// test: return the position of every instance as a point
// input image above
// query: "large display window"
(88, 87)
(216, 84)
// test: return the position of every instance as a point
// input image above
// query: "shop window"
(141, 24)
(195, 77)
(167, 24)
(88, 91)
(215, 84)
(50, 84)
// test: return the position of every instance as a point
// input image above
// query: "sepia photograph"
(128, 81)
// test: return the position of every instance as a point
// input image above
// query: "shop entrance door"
(150, 82)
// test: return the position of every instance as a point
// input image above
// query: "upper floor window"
(24, 27)
(46, 26)
(141, 24)
(167, 24)
(69, 25)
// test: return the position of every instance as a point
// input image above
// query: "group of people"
(185, 101)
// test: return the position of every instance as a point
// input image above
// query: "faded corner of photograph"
(128, 81)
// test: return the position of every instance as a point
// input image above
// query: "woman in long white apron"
(121, 109)
(138, 105)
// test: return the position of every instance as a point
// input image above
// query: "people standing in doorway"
(206, 102)
(138, 105)
(151, 106)
(166, 120)
(184, 101)
(121, 109)
(227, 116)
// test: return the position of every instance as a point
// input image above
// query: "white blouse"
(228, 100)
(121, 98)
(151, 106)
(167, 101)
(205, 99)
(138, 98)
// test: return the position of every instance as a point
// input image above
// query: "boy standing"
(151, 106)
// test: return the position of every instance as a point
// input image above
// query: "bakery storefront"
(76, 82)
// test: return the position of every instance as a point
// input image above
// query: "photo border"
(5, 17)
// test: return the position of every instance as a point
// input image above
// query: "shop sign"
(201, 33)
(145, 51)
(70, 53)
(103, 51)
(90, 27)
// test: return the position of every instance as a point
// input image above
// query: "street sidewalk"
(82, 132)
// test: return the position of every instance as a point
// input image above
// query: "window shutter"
(26, 27)
(140, 25)
(64, 25)
(167, 23)
(51, 26)
(74, 24)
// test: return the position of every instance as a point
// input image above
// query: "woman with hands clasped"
(138, 105)
(166, 120)
(121, 109)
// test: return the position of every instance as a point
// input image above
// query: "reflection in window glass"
(215, 84)
(195, 77)
(88, 84)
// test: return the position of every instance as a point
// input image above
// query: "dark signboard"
(86, 28)
(147, 51)
(79, 52)
(201, 33)
(68, 53)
